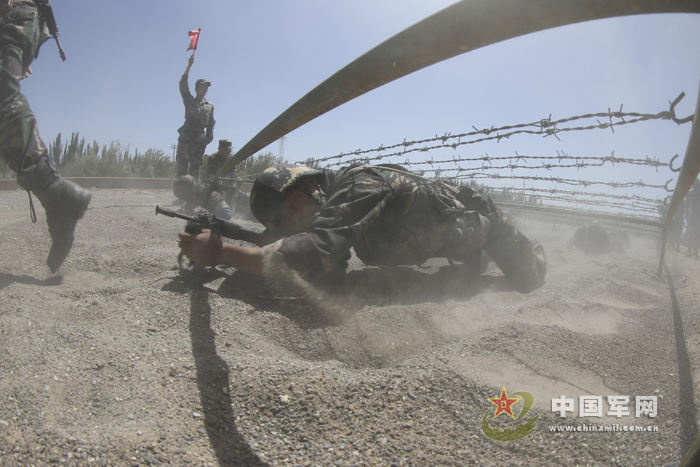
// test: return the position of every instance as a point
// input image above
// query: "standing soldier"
(198, 129)
(24, 26)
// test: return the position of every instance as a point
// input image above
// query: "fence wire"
(460, 168)
(578, 162)
(565, 181)
(633, 206)
(555, 191)
(544, 127)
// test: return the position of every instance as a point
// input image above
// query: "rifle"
(228, 229)
(198, 222)
(46, 12)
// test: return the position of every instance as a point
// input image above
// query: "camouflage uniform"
(392, 217)
(195, 133)
(21, 35)
(214, 163)
(22, 31)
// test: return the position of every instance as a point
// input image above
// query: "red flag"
(194, 37)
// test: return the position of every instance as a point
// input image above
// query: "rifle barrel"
(169, 213)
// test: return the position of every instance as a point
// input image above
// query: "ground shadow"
(7, 279)
(212, 378)
(257, 292)
(183, 283)
(283, 298)
(686, 397)
(357, 289)
(407, 286)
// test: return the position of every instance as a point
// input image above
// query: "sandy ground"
(116, 360)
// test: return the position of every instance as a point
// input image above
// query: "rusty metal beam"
(691, 165)
(686, 178)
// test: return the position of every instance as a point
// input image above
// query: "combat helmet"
(268, 190)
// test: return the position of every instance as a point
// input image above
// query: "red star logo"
(504, 403)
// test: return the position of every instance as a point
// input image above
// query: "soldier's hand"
(203, 248)
(191, 60)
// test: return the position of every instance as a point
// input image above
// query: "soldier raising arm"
(198, 130)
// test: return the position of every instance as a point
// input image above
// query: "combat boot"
(64, 202)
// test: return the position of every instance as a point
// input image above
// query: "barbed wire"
(579, 161)
(553, 191)
(545, 127)
(626, 206)
(451, 169)
(566, 181)
(543, 166)
(634, 202)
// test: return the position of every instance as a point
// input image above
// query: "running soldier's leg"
(20, 145)
(521, 260)
(19, 40)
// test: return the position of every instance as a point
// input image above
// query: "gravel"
(117, 360)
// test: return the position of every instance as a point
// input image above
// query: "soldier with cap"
(217, 160)
(198, 130)
(388, 215)
(24, 26)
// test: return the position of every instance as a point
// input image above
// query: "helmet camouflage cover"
(267, 193)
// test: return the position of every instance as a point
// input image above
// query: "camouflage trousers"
(20, 144)
(188, 158)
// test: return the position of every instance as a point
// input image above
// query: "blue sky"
(125, 58)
